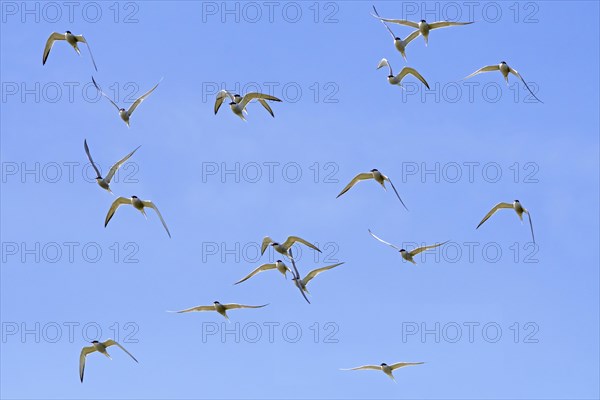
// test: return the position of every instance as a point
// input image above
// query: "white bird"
(408, 255)
(101, 348)
(123, 113)
(423, 26)
(278, 265)
(301, 283)
(505, 70)
(218, 307)
(238, 103)
(104, 183)
(284, 248)
(397, 80)
(373, 174)
(387, 369)
(71, 39)
(515, 205)
(398, 42)
(138, 204)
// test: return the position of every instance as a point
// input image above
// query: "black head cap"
(69, 32)
(134, 197)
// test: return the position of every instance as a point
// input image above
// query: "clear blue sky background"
(375, 295)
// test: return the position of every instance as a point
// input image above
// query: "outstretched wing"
(515, 73)
(316, 272)
(148, 203)
(111, 342)
(265, 243)
(488, 68)
(383, 63)
(293, 239)
(266, 106)
(411, 37)
(255, 95)
(375, 367)
(445, 24)
(383, 241)
(81, 39)
(233, 306)
(422, 249)
(376, 15)
(530, 225)
(115, 167)
(197, 308)
(87, 150)
(493, 210)
(394, 187)
(220, 98)
(404, 364)
(354, 181)
(104, 94)
(264, 267)
(84, 352)
(408, 70)
(399, 21)
(116, 204)
(142, 98)
(49, 43)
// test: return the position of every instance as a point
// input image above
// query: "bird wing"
(111, 342)
(422, 249)
(116, 204)
(515, 73)
(197, 308)
(117, 165)
(264, 267)
(394, 187)
(104, 94)
(265, 243)
(384, 62)
(376, 15)
(484, 69)
(53, 36)
(84, 352)
(316, 272)
(87, 150)
(255, 95)
(355, 180)
(375, 367)
(141, 98)
(445, 24)
(233, 306)
(404, 364)
(400, 21)
(383, 241)
(411, 37)
(530, 225)
(148, 203)
(81, 39)
(267, 106)
(220, 98)
(408, 70)
(293, 239)
(493, 210)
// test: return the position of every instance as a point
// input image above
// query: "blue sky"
(527, 317)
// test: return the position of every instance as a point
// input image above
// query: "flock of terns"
(238, 105)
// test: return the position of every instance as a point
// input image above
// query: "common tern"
(104, 183)
(123, 113)
(71, 39)
(284, 248)
(218, 307)
(373, 174)
(238, 103)
(302, 283)
(101, 348)
(138, 204)
(278, 265)
(408, 255)
(515, 205)
(387, 369)
(398, 42)
(423, 26)
(504, 68)
(397, 80)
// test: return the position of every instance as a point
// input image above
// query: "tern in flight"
(408, 255)
(398, 42)
(123, 113)
(285, 247)
(101, 348)
(423, 26)
(138, 204)
(387, 369)
(301, 283)
(71, 39)
(505, 70)
(104, 183)
(373, 174)
(515, 205)
(218, 307)
(238, 103)
(397, 80)
(278, 265)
